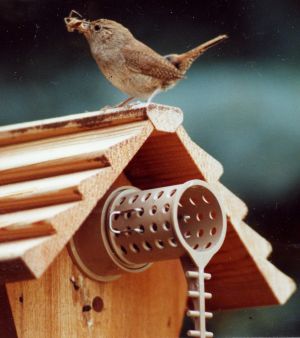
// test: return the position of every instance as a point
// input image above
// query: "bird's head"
(100, 32)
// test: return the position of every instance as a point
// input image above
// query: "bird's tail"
(185, 60)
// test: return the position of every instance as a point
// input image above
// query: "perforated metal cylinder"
(158, 224)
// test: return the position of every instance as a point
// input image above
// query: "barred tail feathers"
(185, 60)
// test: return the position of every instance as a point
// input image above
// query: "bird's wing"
(146, 61)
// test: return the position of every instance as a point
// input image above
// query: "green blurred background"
(241, 102)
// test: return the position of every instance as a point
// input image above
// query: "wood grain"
(22, 231)
(242, 277)
(34, 215)
(43, 192)
(70, 124)
(163, 117)
(234, 207)
(117, 144)
(60, 304)
(53, 173)
(63, 154)
(165, 160)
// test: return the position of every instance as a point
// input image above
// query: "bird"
(129, 64)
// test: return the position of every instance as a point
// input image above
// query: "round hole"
(147, 246)
(140, 213)
(160, 244)
(172, 242)
(199, 217)
(146, 197)
(116, 216)
(196, 247)
(205, 199)
(128, 232)
(200, 233)
(123, 250)
(134, 248)
(97, 304)
(212, 214)
(153, 210)
(158, 195)
(127, 215)
(192, 201)
(213, 231)
(153, 227)
(142, 229)
(187, 234)
(133, 199)
(208, 245)
(166, 207)
(166, 226)
(122, 200)
(172, 192)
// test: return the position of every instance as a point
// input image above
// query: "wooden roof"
(53, 173)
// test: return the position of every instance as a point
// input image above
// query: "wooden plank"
(43, 192)
(210, 168)
(253, 240)
(12, 267)
(165, 118)
(167, 159)
(91, 189)
(63, 303)
(22, 231)
(14, 250)
(34, 215)
(242, 277)
(234, 207)
(67, 165)
(281, 285)
(62, 154)
(37, 130)
(18, 235)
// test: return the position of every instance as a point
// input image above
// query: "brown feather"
(184, 61)
(143, 60)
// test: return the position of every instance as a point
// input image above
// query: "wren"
(130, 65)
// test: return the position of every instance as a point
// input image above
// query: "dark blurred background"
(241, 102)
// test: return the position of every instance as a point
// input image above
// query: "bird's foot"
(128, 103)
(106, 107)
(124, 103)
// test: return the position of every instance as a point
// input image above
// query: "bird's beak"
(82, 26)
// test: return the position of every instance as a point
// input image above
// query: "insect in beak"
(76, 23)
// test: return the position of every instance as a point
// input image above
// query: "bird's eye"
(97, 28)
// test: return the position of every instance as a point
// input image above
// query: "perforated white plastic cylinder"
(168, 219)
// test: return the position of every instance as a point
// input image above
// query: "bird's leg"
(151, 97)
(123, 103)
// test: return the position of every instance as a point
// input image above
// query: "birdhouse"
(110, 220)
